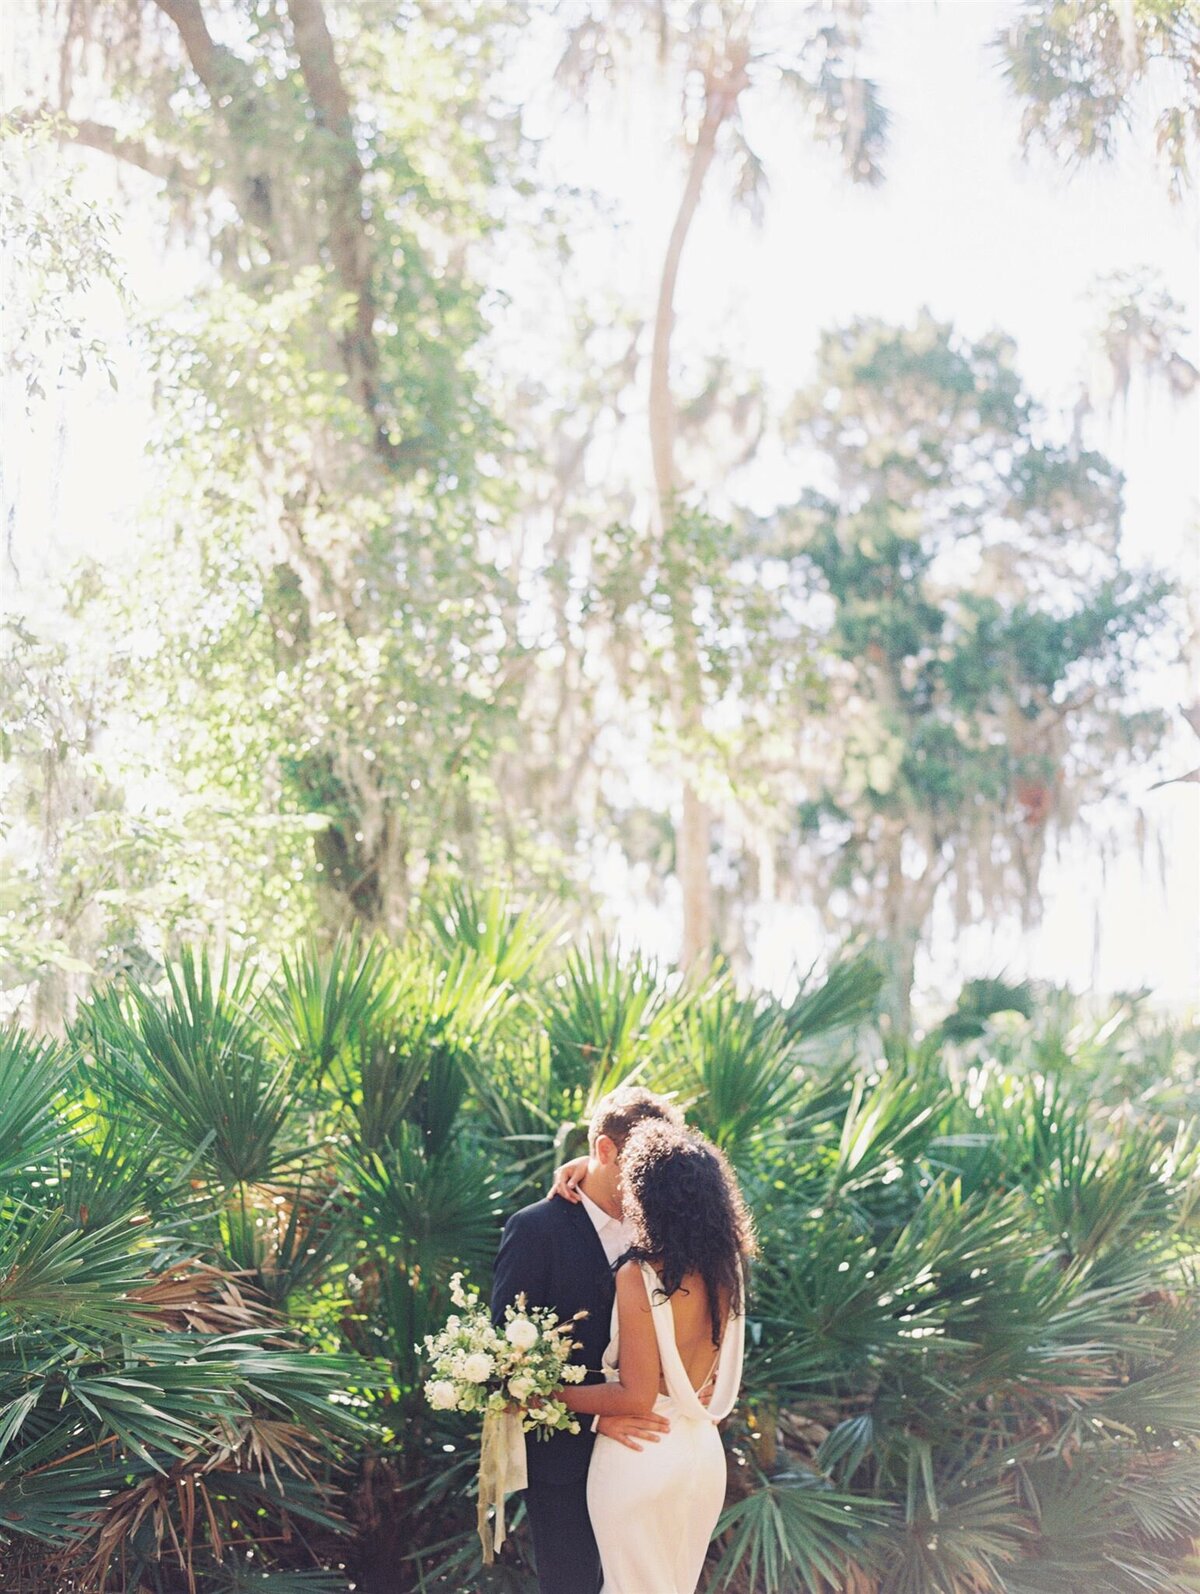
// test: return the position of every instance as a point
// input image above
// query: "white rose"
(477, 1369)
(521, 1333)
(521, 1387)
(441, 1394)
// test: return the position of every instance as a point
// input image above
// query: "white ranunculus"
(521, 1333)
(521, 1387)
(477, 1368)
(441, 1394)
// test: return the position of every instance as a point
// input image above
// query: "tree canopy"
(411, 606)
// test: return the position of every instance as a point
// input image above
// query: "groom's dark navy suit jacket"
(552, 1252)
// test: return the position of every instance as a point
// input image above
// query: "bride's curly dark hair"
(688, 1216)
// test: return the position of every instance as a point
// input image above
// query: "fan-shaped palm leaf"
(422, 1217)
(848, 994)
(795, 1531)
(607, 1019)
(514, 943)
(284, 1236)
(54, 1271)
(32, 1074)
(736, 1067)
(323, 1001)
(962, 1547)
(887, 1124)
(117, 1169)
(194, 1063)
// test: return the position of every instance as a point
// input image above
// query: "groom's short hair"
(614, 1115)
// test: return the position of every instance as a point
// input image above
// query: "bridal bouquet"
(510, 1374)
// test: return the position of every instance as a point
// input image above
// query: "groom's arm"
(633, 1432)
(522, 1267)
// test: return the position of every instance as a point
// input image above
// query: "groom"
(560, 1254)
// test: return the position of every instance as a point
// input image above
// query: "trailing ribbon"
(501, 1471)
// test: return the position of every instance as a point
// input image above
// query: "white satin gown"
(653, 1511)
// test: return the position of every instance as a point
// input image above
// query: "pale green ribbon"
(501, 1471)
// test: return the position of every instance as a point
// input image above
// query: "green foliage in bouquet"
(476, 1366)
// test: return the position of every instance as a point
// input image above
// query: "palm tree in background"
(717, 57)
(1089, 73)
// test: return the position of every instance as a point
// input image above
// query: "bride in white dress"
(678, 1331)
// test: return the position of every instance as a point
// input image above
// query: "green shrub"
(232, 1203)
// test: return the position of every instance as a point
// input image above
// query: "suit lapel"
(588, 1240)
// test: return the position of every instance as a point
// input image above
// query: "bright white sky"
(963, 225)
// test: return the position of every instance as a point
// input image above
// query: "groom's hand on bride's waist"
(634, 1432)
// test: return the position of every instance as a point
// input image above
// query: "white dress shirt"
(616, 1234)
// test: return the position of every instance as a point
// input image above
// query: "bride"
(678, 1325)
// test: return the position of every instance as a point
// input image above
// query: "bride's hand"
(567, 1178)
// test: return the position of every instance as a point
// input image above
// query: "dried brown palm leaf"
(258, 1443)
(196, 1297)
(148, 1501)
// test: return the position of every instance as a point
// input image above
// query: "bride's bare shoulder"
(631, 1284)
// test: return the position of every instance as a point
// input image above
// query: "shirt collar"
(600, 1218)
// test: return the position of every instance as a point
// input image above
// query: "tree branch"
(693, 839)
(202, 50)
(234, 99)
(348, 243)
(99, 136)
(322, 77)
(237, 107)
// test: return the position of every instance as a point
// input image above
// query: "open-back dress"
(653, 1511)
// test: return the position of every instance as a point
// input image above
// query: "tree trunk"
(694, 835)
(692, 847)
(908, 903)
(904, 945)
(662, 403)
(337, 211)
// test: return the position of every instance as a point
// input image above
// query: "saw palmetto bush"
(161, 1425)
(233, 1199)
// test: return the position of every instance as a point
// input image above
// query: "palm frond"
(736, 1068)
(886, 1125)
(964, 1546)
(32, 1074)
(54, 1271)
(848, 994)
(422, 1217)
(194, 1063)
(795, 1531)
(514, 943)
(606, 1018)
(323, 1001)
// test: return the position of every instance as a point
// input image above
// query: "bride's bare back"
(653, 1514)
(693, 1329)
